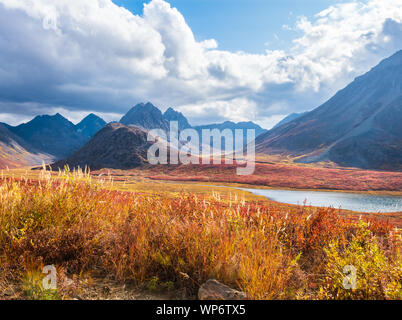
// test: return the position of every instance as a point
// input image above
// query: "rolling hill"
(15, 152)
(116, 146)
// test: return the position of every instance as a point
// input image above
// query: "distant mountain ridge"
(232, 126)
(147, 116)
(55, 135)
(124, 145)
(360, 126)
(51, 134)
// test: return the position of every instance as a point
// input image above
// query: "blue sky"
(242, 25)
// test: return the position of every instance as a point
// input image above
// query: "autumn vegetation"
(89, 231)
(283, 175)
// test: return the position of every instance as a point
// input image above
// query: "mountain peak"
(173, 115)
(91, 119)
(91, 116)
(143, 106)
(149, 105)
(146, 116)
(48, 120)
(90, 125)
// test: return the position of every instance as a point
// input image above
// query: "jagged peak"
(91, 117)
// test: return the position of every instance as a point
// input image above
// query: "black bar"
(199, 309)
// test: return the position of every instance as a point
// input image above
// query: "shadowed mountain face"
(116, 146)
(360, 126)
(290, 118)
(173, 115)
(90, 125)
(145, 116)
(57, 136)
(51, 134)
(15, 152)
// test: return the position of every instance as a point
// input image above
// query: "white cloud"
(91, 55)
(239, 109)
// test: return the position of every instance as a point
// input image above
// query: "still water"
(349, 201)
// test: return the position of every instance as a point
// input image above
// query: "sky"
(213, 60)
(242, 25)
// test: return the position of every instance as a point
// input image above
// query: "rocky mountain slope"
(173, 115)
(90, 125)
(116, 146)
(145, 116)
(15, 152)
(360, 126)
(289, 118)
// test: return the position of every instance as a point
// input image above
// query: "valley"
(325, 192)
(207, 182)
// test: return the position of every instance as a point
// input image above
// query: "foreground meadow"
(168, 242)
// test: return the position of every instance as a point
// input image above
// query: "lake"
(349, 201)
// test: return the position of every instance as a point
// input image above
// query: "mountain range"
(57, 136)
(233, 126)
(173, 115)
(358, 127)
(148, 117)
(53, 138)
(124, 145)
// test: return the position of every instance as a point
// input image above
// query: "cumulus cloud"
(238, 109)
(93, 56)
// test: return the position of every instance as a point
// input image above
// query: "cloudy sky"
(213, 60)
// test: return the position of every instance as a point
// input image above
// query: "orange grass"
(268, 251)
